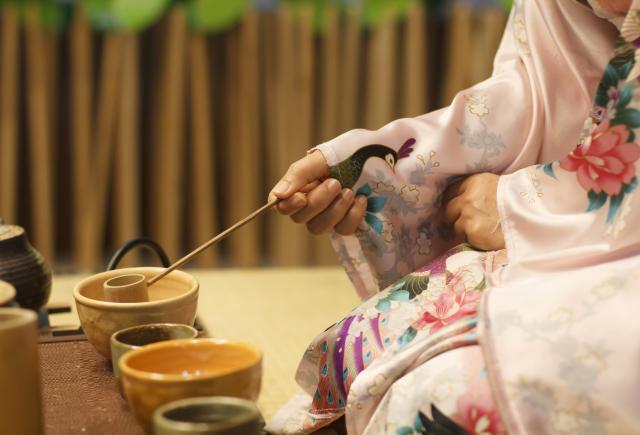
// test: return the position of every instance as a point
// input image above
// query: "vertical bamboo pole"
(202, 167)
(9, 81)
(231, 127)
(51, 38)
(329, 102)
(81, 108)
(167, 170)
(94, 217)
(269, 67)
(416, 73)
(350, 73)
(284, 149)
(303, 99)
(489, 23)
(40, 155)
(246, 188)
(458, 51)
(380, 77)
(126, 179)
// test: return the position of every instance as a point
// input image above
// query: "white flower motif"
(520, 32)
(379, 385)
(562, 315)
(423, 243)
(381, 187)
(387, 231)
(592, 360)
(410, 194)
(477, 105)
(371, 313)
(605, 290)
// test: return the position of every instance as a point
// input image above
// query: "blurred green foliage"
(217, 15)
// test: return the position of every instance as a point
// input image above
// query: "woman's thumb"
(302, 172)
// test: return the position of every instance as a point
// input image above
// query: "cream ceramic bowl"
(7, 294)
(163, 372)
(173, 299)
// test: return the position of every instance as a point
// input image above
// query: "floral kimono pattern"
(461, 343)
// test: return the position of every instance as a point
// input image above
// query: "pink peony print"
(478, 420)
(455, 302)
(605, 161)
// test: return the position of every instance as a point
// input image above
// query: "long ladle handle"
(216, 239)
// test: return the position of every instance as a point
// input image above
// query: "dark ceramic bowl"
(24, 268)
(132, 338)
(208, 415)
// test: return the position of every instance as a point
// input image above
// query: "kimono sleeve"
(583, 208)
(404, 167)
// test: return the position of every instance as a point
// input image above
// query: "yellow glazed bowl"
(173, 299)
(163, 372)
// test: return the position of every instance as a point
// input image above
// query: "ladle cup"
(126, 288)
(133, 288)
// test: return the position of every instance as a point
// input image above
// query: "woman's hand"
(471, 207)
(309, 197)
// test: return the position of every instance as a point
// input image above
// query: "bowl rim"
(126, 306)
(128, 371)
(18, 317)
(252, 413)
(7, 293)
(115, 340)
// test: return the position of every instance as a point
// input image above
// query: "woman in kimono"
(530, 327)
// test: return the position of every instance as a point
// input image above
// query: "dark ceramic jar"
(24, 268)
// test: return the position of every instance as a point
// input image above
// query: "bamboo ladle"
(134, 287)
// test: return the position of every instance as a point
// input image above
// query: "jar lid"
(10, 231)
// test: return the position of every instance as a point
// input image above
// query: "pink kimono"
(453, 341)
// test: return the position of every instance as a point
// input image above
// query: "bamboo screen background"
(175, 134)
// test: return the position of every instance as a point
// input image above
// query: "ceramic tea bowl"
(137, 336)
(208, 415)
(178, 369)
(173, 299)
(7, 294)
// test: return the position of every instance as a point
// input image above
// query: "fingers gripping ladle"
(133, 287)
